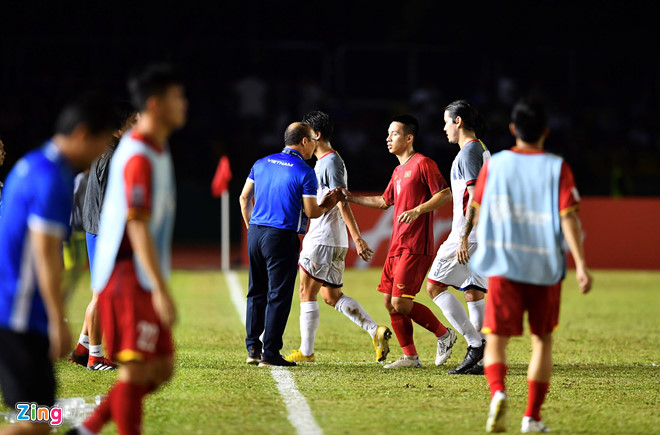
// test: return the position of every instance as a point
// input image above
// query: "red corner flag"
(222, 177)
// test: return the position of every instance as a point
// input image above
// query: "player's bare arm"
(246, 202)
(48, 260)
(463, 253)
(363, 249)
(436, 201)
(570, 225)
(143, 246)
(313, 209)
(366, 201)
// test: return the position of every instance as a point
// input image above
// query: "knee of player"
(329, 300)
(473, 295)
(434, 290)
(402, 305)
(164, 372)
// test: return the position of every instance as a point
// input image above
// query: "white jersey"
(464, 172)
(330, 228)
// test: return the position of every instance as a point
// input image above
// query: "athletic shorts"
(325, 264)
(508, 300)
(447, 271)
(26, 372)
(132, 330)
(403, 275)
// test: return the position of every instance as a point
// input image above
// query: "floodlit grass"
(606, 377)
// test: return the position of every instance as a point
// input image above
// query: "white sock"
(477, 312)
(84, 340)
(352, 309)
(96, 350)
(310, 317)
(455, 313)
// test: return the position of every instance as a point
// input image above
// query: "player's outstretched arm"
(313, 209)
(570, 225)
(143, 246)
(363, 249)
(48, 259)
(436, 201)
(366, 201)
(246, 201)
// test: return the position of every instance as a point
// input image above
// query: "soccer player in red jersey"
(132, 260)
(416, 189)
(527, 203)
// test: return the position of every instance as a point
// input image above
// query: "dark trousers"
(273, 257)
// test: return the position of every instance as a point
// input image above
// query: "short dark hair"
(320, 121)
(123, 110)
(94, 110)
(295, 133)
(152, 80)
(530, 118)
(410, 124)
(471, 117)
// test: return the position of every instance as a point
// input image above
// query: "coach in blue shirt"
(284, 190)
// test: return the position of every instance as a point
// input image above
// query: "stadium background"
(363, 63)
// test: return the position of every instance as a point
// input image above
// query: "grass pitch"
(606, 377)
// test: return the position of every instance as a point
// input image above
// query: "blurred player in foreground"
(462, 124)
(322, 259)
(528, 204)
(88, 352)
(416, 189)
(284, 189)
(132, 258)
(38, 200)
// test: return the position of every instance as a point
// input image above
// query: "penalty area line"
(299, 412)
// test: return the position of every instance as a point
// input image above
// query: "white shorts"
(325, 264)
(447, 271)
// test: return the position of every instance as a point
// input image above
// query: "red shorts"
(131, 328)
(508, 300)
(404, 274)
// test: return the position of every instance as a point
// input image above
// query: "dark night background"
(595, 64)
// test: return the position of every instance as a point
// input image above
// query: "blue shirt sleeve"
(251, 176)
(50, 208)
(310, 184)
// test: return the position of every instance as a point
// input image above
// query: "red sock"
(80, 350)
(127, 407)
(403, 329)
(495, 375)
(425, 317)
(101, 415)
(535, 398)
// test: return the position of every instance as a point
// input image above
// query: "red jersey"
(412, 184)
(568, 194)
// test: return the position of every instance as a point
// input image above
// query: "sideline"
(300, 415)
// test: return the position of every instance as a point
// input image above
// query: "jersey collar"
(147, 140)
(293, 152)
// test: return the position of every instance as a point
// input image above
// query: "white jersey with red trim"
(157, 198)
(464, 172)
(330, 228)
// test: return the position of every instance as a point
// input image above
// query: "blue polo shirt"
(280, 182)
(38, 196)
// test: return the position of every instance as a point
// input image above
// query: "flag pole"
(224, 234)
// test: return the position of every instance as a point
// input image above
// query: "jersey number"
(147, 336)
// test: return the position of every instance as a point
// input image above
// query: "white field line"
(300, 415)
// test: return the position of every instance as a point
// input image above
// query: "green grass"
(606, 377)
